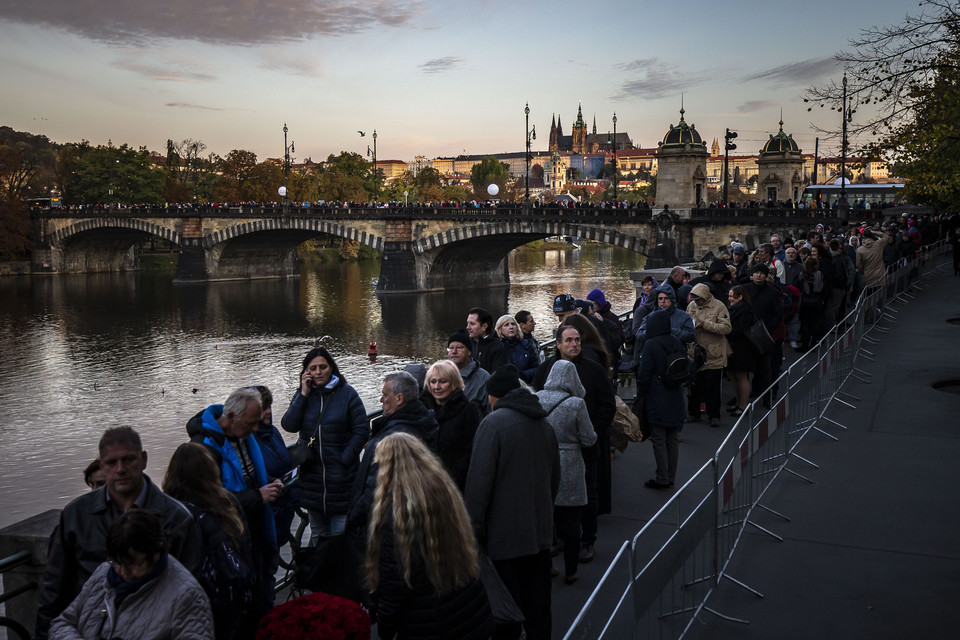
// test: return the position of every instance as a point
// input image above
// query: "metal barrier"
(10, 562)
(683, 553)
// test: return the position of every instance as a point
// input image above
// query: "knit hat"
(563, 303)
(504, 380)
(739, 248)
(461, 336)
(597, 296)
(762, 268)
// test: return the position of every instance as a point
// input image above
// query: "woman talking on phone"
(330, 419)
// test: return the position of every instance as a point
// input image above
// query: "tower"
(682, 167)
(780, 168)
(579, 137)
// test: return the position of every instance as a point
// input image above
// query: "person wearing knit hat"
(503, 381)
(459, 352)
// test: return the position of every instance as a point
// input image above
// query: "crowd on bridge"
(480, 469)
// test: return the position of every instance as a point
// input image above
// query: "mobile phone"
(290, 476)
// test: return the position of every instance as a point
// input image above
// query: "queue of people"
(489, 458)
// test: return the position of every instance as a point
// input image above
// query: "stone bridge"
(422, 248)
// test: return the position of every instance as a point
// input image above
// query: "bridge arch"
(103, 244)
(477, 253)
(299, 224)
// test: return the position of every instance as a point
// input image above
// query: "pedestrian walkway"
(871, 549)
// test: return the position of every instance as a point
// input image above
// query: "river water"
(82, 353)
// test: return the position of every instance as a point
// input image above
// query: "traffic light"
(728, 138)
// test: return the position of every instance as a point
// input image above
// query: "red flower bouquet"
(316, 616)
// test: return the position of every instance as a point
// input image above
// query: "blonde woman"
(422, 566)
(522, 351)
(456, 416)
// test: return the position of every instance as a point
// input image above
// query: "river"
(82, 353)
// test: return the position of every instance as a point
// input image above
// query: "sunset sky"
(434, 78)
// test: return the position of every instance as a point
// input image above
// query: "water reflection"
(81, 353)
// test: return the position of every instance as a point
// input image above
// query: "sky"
(432, 77)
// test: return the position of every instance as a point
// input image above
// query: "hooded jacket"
(870, 261)
(681, 324)
(714, 326)
(562, 399)
(719, 288)
(661, 405)
(513, 479)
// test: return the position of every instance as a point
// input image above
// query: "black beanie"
(461, 336)
(504, 380)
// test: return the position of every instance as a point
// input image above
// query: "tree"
(344, 178)
(488, 171)
(26, 164)
(453, 193)
(235, 171)
(183, 166)
(127, 173)
(14, 230)
(905, 77)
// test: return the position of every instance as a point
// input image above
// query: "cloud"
(655, 78)
(188, 105)
(155, 72)
(210, 21)
(755, 105)
(801, 72)
(441, 64)
(304, 66)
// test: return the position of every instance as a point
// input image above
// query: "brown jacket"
(712, 321)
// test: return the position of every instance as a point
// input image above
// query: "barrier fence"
(663, 578)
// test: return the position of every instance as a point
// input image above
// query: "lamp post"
(846, 114)
(531, 135)
(615, 180)
(287, 150)
(376, 184)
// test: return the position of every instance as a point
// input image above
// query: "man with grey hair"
(227, 430)
(402, 411)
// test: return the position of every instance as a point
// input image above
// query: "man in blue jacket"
(227, 429)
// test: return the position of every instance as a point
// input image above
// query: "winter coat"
(681, 324)
(662, 406)
(78, 545)
(767, 305)
(326, 478)
(714, 325)
(562, 399)
(171, 606)
(475, 385)
(458, 419)
(490, 353)
(870, 261)
(513, 479)
(719, 288)
(743, 356)
(276, 458)
(413, 418)
(524, 354)
(418, 611)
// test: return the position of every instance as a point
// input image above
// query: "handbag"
(625, 427)
(759, 338)
(301, 451)
(504, 607)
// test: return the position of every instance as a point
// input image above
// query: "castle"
(579, 141)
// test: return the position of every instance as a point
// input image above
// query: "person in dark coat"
(601, 406)
(717, 278)
(422, 563)
(330, 419)
(511, 488)
(456, 416)
(487, 349)
(522, 351)
(663, 409)
(768, 307)
(743, 361)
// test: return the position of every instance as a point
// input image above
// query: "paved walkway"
(872, 549)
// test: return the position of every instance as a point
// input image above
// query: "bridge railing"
(682, 554)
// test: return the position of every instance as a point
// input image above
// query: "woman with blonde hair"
(456, 416)
(422, 566)
(523, 352)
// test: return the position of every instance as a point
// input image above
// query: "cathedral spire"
(594, 124)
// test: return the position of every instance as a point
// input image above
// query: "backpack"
(225, 573)
(679, 369)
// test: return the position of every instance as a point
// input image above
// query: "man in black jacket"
(79, 544)
(768, 307)
(601, 406)
(488, 351)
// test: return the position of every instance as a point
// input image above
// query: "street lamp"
(376, 184)
(531, 135)
(728, 146)
(287, 150)
(615, 160)
(846, 112)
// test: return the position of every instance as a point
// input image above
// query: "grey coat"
(172, 606)
(562, 399)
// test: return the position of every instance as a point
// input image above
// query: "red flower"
(316, 616)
